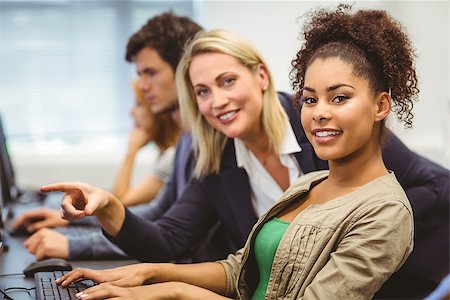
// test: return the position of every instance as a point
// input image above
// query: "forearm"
(123, 178)
(111, 216)
(209, 275)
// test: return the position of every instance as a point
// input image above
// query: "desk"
(18, 258)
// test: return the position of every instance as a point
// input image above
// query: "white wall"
(273, 28)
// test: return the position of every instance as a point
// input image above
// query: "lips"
(326, 135)
(228, 116)
(150, 99)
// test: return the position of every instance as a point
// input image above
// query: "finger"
(69, 212)
(26, 217)
(31, 243)
(75, 275)
(37, 225)
(66, 187)
(41, 251)
(89, 209)
(101, 291)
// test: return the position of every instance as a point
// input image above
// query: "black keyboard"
(47, 289)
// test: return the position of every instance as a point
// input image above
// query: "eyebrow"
(145, 70)
(217, 79)
(331, 88)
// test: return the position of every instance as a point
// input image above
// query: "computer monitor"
(2, 211)
(10, 192)
(3, 215)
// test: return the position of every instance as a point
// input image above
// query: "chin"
(327, 155)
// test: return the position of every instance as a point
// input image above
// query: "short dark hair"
(372, 42)
(167, 34)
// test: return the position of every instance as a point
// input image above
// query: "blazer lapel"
(237, 191)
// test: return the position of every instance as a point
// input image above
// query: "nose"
(219, 100)
(321, 112)
(144, 84)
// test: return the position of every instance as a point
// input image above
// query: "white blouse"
(265, 190)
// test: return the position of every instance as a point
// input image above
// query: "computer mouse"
(19, 231)
(22, 229)
(47, 265)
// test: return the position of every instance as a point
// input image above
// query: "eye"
(201, 92)
(229, 81)
(340, 99)
(309, 100)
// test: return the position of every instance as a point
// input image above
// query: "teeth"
(327, 133)
(227, 116)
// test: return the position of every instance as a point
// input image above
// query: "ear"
(263, 76)
(383, 102)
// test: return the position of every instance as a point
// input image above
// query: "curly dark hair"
(372, 42)
(167, 33)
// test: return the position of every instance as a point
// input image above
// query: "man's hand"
(40, 218)
(47, 243)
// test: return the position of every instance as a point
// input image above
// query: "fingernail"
(81, 295)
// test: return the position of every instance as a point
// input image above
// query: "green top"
(266, 245)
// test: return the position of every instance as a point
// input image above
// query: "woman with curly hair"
(334, 234)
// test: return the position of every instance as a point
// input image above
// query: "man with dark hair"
(156, 50)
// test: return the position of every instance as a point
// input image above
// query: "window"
(64, 82)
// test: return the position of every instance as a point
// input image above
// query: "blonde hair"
(208, 142)
(165, 131)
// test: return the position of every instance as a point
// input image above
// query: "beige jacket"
(343, 249)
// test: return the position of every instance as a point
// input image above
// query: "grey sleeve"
(92, 246)
(95, 245)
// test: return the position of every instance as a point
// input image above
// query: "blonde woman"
(248, 144)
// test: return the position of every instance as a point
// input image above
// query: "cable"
(13, 274)
(6, 296)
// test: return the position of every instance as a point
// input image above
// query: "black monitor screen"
(9, 188)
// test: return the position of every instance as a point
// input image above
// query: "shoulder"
(168, 154)
(287, 101)
(303, 183)
(410, 168)
(384, 194)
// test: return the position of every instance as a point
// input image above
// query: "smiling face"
(340, 113)
(156, 80)
(228, 94)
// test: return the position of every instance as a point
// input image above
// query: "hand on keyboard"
(47, 289)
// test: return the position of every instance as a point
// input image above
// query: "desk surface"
(17, 258)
